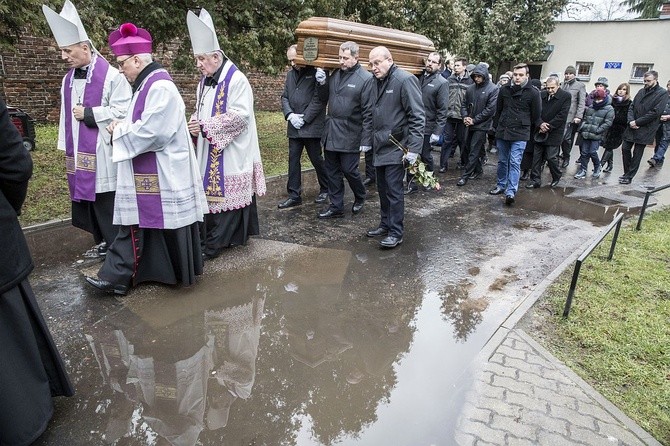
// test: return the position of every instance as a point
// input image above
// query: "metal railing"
(646, 201)
(616, 223)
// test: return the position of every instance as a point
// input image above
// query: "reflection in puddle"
(464, 313)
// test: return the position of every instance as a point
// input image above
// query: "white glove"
(434, 139)
(365, 148)
(411, 157)
(320, 76)
(296, 120)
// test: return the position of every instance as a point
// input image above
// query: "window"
(584, 71)
(638, 70)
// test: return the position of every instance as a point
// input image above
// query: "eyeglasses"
(433, 62)
(121, 62)
(377, 63)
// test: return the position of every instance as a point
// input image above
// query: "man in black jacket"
(477, 110)
(518, 108)
(397, 111)
(347, 129)
(549, 136)
(454, 131)
(644, 117)
(304, 112)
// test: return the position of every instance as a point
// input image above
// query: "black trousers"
(454, 133)
(313, 147)
(632, 155)
(391, 198)
(542, 153)
(340, 165)
(96, 217)
(568, 140)
(475, 143)
(527, 158)
(370, 166)
(427, 158)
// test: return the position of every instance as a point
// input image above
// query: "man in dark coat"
(31, 369)
(519, 107)
(347, 129)
(304, 112)
(454, 131)
(477, 110)
(549, 136)
(397, 111)
(435, 94)
(644, 117)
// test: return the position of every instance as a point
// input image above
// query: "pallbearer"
(224, 128)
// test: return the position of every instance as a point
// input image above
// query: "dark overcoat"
(646, 111)
(517, 110)
(555, 113)
(300, 96)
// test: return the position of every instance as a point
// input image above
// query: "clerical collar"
(153, 66)
(80, 73)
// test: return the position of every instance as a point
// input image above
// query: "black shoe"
(330, 213)
(578, 161)
(321, 198)
(102, 249)
(377, 232)
(554, 183)
(532, 185)
(410, 190)
(565, 163)
(390, 242)
(443, 169)
(476, 175)
(608, 168)
(651, 162)
(496, 191)
(624, 180)
(368, 182)
(357, 207)
(289, 203)
(525, 175)
(107, 287)
(509, 200)
(462, 181)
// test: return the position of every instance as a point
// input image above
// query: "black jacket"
(480, 100)
(300, 96)
(16, 167)
(614, 135)
(517, 110)
(646, 111)
(435, 94)
(555, 113)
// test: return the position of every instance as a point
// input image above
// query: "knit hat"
(570, 70)
(504, 76)
(129, 40)
(602, 81)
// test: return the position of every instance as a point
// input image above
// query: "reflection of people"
(93, 93)
(227, 143)
(31, 369)
(397, 112)
(159, 197)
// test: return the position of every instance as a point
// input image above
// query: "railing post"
(573, 285)
(644, 208)
(615, 236)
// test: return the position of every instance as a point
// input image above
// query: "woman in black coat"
(614, 138)
(31, 370)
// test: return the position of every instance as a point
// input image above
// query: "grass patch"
(48, 197)
(617, 336)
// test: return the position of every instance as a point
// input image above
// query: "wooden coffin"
(319, 40)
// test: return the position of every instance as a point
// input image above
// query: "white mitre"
(66, 26)
(201, 30)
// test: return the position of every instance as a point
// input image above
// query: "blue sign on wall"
(613, 65)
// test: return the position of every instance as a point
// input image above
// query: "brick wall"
(33, 74)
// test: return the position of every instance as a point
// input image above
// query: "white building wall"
(629, 42)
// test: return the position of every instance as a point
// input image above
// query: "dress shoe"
(651, 162)
(330, 213)
(554, 183)
(107, 287)
(525, 175)
(377, 232)
(410, 190)
(321, 198)
(289, 203)
(462, 181)
(565, 163)
(532, 185)
(102, 249)
(496, 191)
(509, 200)
(476, 175)
(624, 180)
(357, 207)
(608, 168)
(578, 161)
(390, 242)
(368, 182)
(443, 169)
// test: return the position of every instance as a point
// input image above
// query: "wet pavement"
(311, 334)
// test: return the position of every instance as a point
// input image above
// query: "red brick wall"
(33, 74)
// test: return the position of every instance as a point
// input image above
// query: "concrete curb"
(510, 325)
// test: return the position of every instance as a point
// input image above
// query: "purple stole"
(81, 175)
(214, 180)
(145, 166)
